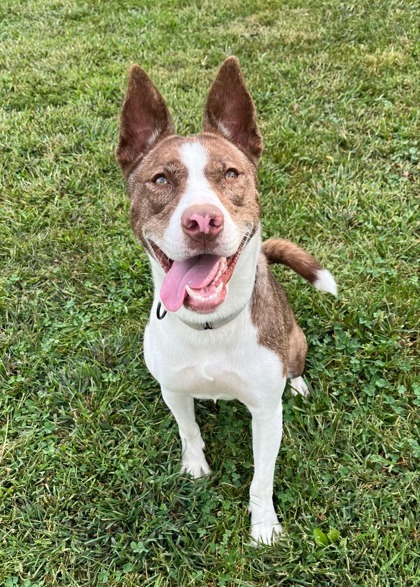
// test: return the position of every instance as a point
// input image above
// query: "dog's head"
(194, 200)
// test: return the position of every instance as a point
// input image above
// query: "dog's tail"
(279, 250)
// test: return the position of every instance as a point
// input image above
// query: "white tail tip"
(325, 282)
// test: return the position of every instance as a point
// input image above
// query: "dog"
(220, 325)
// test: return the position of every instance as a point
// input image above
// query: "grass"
(89, 483)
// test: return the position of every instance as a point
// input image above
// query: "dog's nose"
(202, 223)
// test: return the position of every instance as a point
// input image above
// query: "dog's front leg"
(267, 426)
(193, 459)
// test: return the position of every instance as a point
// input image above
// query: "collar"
(213, 325)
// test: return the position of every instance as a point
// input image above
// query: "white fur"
(224, 130)
(298, 385)
(227, 363)
(325, 282)
(151, 140)
(198, 191)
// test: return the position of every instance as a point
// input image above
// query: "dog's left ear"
(230, 110)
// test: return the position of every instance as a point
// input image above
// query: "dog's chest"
(227, 363)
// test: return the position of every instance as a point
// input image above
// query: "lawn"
(90, 488)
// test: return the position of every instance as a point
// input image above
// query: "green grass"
(89, 482)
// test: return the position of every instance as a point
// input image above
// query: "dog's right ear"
(144, 121)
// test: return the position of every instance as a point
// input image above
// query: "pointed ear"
(144, 121)
(230, 110)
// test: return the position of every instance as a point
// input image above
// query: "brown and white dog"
(220, 326)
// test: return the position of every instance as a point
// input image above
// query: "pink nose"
(202, 223)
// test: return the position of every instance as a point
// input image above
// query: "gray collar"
(213, 325)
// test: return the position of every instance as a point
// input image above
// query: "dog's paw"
(265, 527)
(196, 469)
(298, 385)
(193, 460)
(265, 533)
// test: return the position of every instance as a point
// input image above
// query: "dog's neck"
(239, 294)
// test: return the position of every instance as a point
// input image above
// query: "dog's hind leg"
(297, 355)
(193, 460)
(298, 386)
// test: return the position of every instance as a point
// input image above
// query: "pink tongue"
(197, 272)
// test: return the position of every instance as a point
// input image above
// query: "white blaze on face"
(198, 191)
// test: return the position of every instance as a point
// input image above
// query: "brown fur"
(240, 197)
(151, 205)
(230, 110)
(278, 250)
(144, 119)
(298, 347)
(274, 319)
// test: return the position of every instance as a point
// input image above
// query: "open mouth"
(199, 283)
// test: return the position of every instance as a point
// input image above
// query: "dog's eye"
(231, 174)
(160, 180)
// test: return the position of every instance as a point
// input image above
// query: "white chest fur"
(225, 363)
